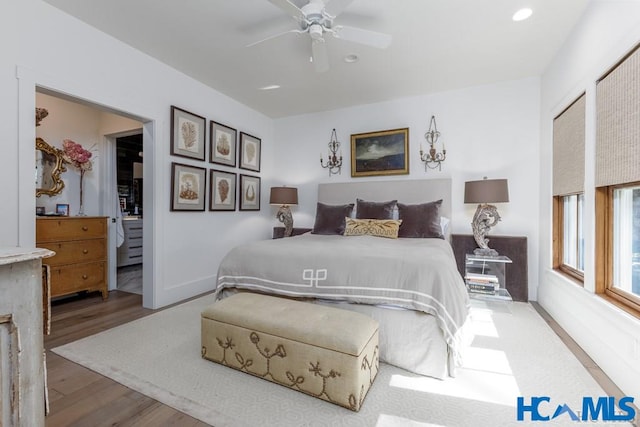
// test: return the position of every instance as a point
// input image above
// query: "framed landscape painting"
(222, 148)
(249, 193)
(250, 152)
(380, 153)
(222, 196)
(188, 187)
(187, 134)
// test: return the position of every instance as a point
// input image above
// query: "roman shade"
(568, 149)
(618, 123)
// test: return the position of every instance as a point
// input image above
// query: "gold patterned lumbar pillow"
(372, 227)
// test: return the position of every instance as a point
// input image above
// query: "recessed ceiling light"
(351, 58)
(270, 87)
(522, 14)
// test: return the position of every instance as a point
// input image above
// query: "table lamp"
(284, 197)
(483, 192)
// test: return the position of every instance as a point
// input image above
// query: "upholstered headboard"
(405, 191)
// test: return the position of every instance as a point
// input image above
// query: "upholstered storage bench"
(325, 352)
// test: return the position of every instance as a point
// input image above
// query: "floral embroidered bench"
(325, 352)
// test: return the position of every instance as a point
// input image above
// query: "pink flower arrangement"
(75, 154)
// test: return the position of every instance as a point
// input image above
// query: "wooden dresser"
(80, 244)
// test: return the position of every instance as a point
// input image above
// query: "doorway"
(97, 129)
(129, 176)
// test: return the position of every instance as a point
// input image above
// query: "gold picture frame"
(380, 153)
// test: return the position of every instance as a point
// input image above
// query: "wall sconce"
(432, 159)
(483, 192)
(284, 197)
(334, 163)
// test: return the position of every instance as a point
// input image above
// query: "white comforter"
(417, 274)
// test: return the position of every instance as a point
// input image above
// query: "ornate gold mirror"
(49, 166)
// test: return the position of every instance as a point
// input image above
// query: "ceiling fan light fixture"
(522, 14)
(351, 58)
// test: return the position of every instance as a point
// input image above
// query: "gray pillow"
(330, 218)
(375, 210)
(420, 221)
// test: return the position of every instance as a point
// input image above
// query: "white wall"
(86, 126)
(607, 30)
(54, 51)
(488, 131)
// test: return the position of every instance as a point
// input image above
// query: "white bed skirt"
(408, 339)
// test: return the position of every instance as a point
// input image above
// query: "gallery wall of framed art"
(194, 187)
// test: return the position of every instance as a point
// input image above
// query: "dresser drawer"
(72, 252)
(133, 242)
(74, 278)
(53, 229)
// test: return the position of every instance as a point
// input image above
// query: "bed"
(411, 286)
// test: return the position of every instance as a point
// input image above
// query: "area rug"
(514, 353)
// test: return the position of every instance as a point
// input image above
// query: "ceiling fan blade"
(289, 8)
(319, 54)
(274, 36)
(335, 7)
(366, 37)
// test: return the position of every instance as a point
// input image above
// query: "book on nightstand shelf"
(482, 283)
(480, 288)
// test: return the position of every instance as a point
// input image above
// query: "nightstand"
(278, 232)
(514, 247)
(485, 277)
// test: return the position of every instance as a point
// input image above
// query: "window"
(568, 189)
(625, 232)
(573, 240)
(570, 237)
(617, 180)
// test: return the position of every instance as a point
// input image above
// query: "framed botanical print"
(250, 152)
(222, 146)
(187, 134)
(222, 194)
(188, 187)
(380, 153)
(249, 193)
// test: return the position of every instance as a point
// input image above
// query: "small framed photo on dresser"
(62, 209)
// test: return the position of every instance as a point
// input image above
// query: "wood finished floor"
(81, 397)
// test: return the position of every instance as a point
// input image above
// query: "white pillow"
(444, 224)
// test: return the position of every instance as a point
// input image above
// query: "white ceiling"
(437, 45)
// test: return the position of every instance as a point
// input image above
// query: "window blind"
(568, 149)
(618, 124)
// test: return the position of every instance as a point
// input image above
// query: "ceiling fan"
(314, 19)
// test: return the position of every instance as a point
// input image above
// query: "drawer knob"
(85, 277)
(85, 228)
(85, 251)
